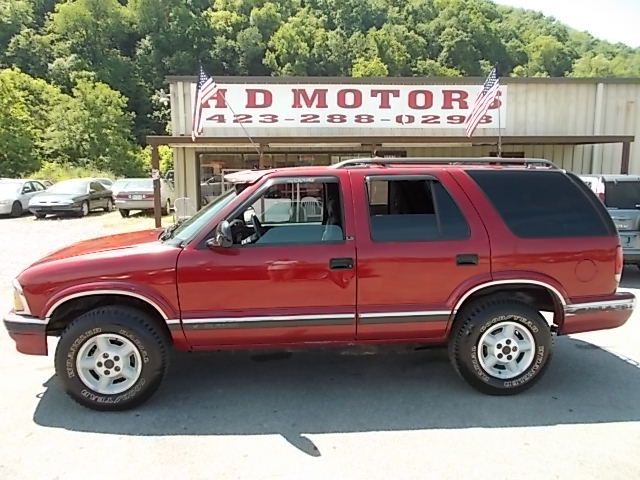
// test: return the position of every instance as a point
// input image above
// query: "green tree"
(548, 57)
(369, 67)
(14, 15)
(16, 131)
(93, 128)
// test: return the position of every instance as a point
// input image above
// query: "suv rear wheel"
(500, 346)
(111, 358)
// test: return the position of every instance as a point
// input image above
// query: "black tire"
(473, 321)
(124, 213)
(16, 209)
(137, 327)
(109, 207)
(40, 216)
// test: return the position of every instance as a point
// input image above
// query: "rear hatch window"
(622, 194)
(544, 204)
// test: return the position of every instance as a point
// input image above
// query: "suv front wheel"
(500, 346)
(111, 358)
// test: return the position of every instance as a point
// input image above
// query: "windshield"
(74, 187)
(9, 188)
(193, 225)
(622, 195)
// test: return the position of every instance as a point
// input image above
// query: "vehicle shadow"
(71, 216)
(630, 277)
(327, 391)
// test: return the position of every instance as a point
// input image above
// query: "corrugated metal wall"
(535, 107)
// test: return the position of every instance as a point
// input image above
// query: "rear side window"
(406, 210)
(543, 204)
(624, 194)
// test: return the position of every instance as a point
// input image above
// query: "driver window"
(292, 213)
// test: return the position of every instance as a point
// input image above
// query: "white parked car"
(15, 195)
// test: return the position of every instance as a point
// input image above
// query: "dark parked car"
(461, 253)
(78, 196)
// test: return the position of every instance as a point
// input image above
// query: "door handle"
(341, 263)
(467, 259)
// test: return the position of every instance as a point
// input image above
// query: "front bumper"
(53, 209)
(29, 333)
(600, 314)
(5, 208)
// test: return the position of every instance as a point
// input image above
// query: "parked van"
(621, 196)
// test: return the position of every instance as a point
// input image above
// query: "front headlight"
(20, 304)
(5, 202)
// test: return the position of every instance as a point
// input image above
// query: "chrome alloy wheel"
(109, 363)
(506, 350)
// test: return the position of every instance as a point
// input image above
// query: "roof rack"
(384, 162)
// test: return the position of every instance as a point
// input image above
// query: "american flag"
(483, 102)
(205, 90)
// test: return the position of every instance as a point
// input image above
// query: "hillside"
(131, 45)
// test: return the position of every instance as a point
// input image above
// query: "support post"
(626, 154)
(499, 133)
(261, 164)
(155, 175)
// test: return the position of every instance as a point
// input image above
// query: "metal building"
(583, 125)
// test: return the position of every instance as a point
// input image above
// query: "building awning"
(186, 141)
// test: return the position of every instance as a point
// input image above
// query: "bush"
(56, 172)
(166, 158)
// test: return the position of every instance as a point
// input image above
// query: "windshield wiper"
(167, 233)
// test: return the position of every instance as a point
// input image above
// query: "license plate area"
(136, 197)
(628, 240)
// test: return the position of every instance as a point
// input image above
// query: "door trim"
(265, 321)
(404, 317)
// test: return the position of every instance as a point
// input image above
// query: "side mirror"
(222, 237)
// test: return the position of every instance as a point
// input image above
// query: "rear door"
(420, 244)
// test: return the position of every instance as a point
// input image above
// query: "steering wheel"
(258, 226)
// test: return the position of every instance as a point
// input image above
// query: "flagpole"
(245, 132)
(499, 132)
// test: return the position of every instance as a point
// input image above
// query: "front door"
(289, 276)
(419, 247)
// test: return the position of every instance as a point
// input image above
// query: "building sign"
(348, 105)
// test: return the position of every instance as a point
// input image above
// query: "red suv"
(490, 257)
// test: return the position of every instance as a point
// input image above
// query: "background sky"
(613, 20)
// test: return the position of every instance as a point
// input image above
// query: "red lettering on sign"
(497, 102)
(356, 98)
(218, 99)
(450, 96)
(425, 97)
(319, 97)
(252, 98)
(385, 96)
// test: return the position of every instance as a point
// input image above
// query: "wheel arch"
(63, 311)
(541, 295)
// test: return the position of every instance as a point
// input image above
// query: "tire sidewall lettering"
(535, 367)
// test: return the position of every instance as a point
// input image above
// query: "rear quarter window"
(544, 204)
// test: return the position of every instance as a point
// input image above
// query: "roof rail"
(529, 162)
